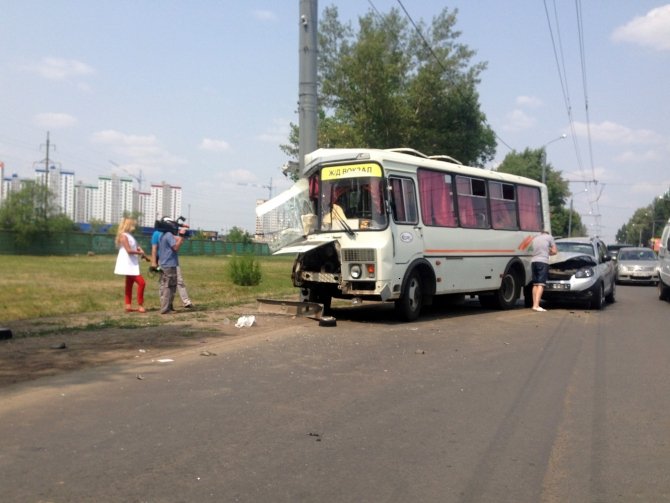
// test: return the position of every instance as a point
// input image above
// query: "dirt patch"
(48, 347)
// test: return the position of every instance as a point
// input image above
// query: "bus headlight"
(371, 270)
(355, 271)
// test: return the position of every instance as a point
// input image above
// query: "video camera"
(176, 227)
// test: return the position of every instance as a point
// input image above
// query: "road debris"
(245, 321)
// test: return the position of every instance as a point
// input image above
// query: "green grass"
(38, 287)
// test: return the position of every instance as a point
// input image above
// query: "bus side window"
(472, 202)
(530, 208)
(437, 201)
(403, 201)
(503, 206)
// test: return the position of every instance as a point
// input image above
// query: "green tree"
(530, 163)
(31, 212)
(238, 235)
(96, 225)
(646, 222)
(389, 86)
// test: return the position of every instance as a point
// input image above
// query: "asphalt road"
(465, 405)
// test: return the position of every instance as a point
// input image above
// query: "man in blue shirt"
(181, 286)
(168, 260)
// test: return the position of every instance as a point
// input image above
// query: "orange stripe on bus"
(469, 251)
(526, 243)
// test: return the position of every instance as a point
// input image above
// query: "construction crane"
(269, 187)
(138, 178)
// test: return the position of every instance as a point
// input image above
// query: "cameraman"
(168, 260)
(155, 238)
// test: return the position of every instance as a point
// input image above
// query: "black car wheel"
(598, 300)
(611, 297)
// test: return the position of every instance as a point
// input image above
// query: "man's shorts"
(540, 273)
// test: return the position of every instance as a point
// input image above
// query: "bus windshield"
(350, 199)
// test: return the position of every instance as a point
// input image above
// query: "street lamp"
(544, 156)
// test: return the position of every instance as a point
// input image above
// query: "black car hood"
(571, 260)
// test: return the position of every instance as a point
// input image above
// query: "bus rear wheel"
(408, 306)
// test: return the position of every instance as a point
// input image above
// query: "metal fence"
(83, 243)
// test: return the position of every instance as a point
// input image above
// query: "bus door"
(408, 236)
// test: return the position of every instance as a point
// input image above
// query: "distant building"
(144, 205)
(165, 201)
(107, 202)
(84, 202)
(262, 223)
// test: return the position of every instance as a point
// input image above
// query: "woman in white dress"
(128, 263)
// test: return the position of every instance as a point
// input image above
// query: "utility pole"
(307, 105)
(46, 178)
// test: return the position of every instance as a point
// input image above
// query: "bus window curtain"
(398, 200)
(530, 213)
(436, 204)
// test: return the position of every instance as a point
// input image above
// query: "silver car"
(637, 265)
(581, 271)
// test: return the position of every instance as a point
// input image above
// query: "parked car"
(582, 271)
(613, 250)
(664, 264)
(637, 265)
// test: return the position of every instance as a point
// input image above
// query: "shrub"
(244, 270)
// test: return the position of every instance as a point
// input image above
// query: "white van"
(664, 264)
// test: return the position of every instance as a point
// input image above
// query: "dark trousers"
(168, 288)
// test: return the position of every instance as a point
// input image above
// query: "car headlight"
(586, 272)
(355, 271)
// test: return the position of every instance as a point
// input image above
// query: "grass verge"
(40, 288)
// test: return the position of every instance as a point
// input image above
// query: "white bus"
(395, 225)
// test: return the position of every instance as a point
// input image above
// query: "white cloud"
(241, 176)
(278, 133)
(630, 156)
(60, 69)
(611, 132)
(54, 120)
(518, 120)
(651, 30)
(264, 15)
(528, 101)
(214, 145)
(141, 152)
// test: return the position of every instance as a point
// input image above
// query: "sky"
(200, 94)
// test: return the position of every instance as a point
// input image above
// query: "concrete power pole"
(307, 102)
(46, 179)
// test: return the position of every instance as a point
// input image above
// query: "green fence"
(83, 243)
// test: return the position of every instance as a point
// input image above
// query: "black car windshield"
(637, 255)
(572, 247)
(352, 202)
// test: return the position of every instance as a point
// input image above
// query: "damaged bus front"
(339, 214)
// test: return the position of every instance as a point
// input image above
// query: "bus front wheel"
(319, 297)
(409, 304)
(506, 296)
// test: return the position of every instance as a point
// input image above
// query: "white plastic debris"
(165, 360)
(245, 321)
